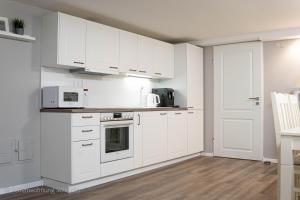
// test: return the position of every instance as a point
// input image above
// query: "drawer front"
(85, 133)
(86, 119)
(85, 160)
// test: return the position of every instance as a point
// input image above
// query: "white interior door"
(238, 100)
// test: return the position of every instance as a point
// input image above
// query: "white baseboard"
(207, 154)
(21, 187)
(272, 160)
(77, 187)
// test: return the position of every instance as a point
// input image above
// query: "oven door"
(116, 140)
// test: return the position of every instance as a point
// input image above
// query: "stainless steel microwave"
(62, 97)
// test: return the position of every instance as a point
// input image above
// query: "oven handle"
(113, 124)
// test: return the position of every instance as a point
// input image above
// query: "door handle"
(254, 98)
(139, 123)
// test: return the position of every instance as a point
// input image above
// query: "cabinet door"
(85, 160)
(102, 48)
(128, 60)
(177, 134)
(195, 131)
(71, 41)
(145, 55)
(194, 77)
(163, 60)
(154, 133)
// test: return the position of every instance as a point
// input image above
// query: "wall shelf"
(12, 36)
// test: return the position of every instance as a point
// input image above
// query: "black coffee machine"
(166, 96)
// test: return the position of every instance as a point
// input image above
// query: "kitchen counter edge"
(104, 110)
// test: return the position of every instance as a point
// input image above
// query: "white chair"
(286, 113)
(286, 116)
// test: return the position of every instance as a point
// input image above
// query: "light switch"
(25, 147)
(5, 151)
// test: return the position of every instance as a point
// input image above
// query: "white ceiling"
(183, 20)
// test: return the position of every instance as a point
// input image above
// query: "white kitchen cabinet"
(102, 48)
(188, 76)
(177, 134)
(146, 47)
(194, 60)
(163, 66)
(63, 41)
(154, 127)
(195, 130)
(128, 60)
(70, 149)
(85, 160)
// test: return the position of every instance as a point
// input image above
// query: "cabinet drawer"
(85, 160)
(85, 133)
(86, 119)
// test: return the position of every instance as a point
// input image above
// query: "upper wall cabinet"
(128, 60)
(63, 41)
(146, 47)
(102, 48)
(163, 60)
(188, 79)
(72, 42)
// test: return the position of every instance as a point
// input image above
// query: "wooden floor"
(202, 178)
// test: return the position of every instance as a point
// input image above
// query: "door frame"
(261, 153)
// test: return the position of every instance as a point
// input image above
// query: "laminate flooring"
(201, 178)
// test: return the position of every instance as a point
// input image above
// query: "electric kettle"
(152, 100)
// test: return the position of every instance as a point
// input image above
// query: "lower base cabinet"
(195, 130)
(167, 135)
(177, 134)
(154, 128)
(85, 160)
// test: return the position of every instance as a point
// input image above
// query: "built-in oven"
(116, 136)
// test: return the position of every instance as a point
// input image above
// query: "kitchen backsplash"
(104, 91)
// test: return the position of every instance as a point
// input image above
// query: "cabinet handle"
(158, 74)
(81, 63)
(143, 71)
(139, 123)
(87, 131)
(85, 145)
(191, 107)
(191, 112)
(87, 117)
(132, 70)
(113, 67)
(178, 113)
(163, 113)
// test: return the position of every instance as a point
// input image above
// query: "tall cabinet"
(188, 86)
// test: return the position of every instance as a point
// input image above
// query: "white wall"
(104, 91)
(20, 86)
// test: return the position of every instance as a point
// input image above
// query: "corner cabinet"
(188, 76)
(63, 41)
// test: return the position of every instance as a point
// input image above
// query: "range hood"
(92, 72)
